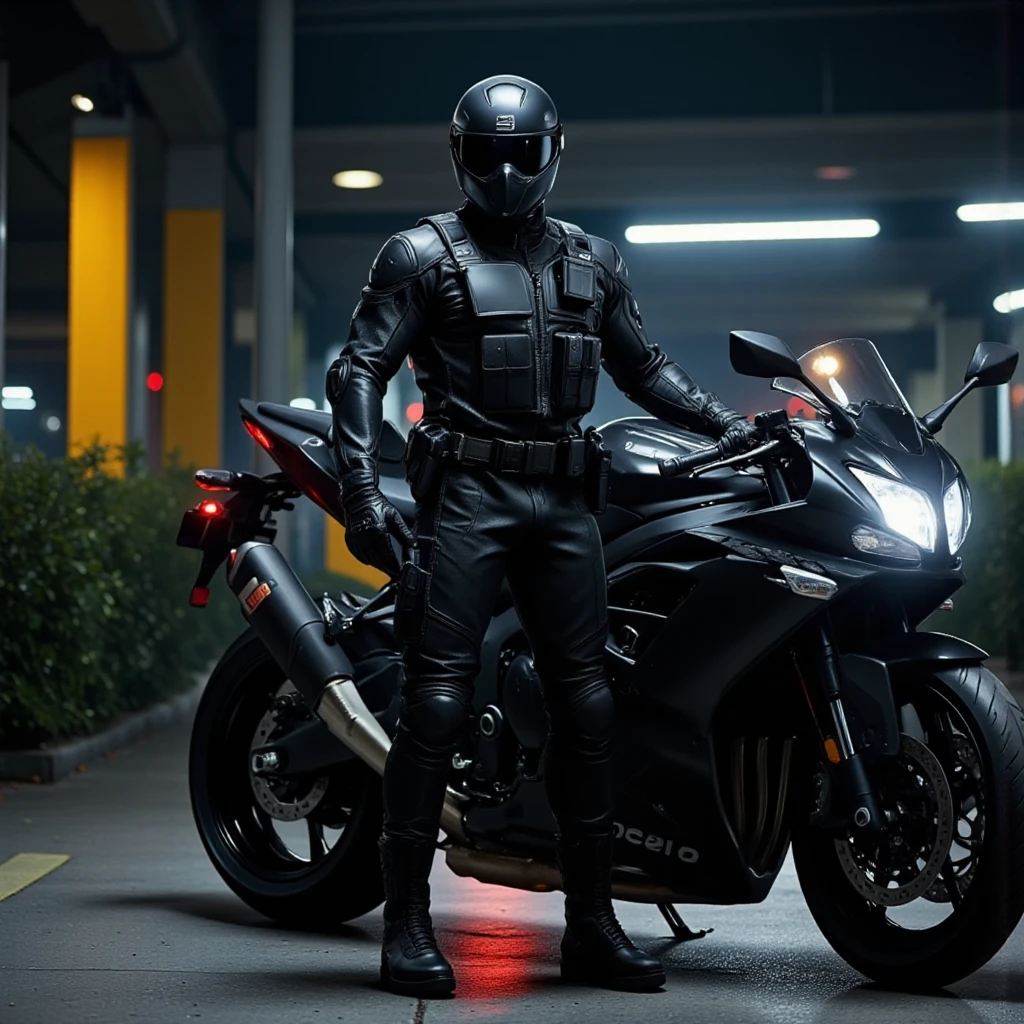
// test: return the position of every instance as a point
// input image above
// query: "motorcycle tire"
(332, 885)
(993, 901)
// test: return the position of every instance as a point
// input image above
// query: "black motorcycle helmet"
(505, 141)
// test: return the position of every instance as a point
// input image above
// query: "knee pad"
(434, 717)
(584, 710)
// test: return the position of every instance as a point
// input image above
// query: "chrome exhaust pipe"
(287, 620)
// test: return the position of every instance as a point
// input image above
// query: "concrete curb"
(56, 762)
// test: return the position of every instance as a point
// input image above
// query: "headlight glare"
(956, 507)
(905, 509)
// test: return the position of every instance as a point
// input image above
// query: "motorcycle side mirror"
(763, 355)
(991, 365)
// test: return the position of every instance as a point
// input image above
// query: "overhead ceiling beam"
(165, 51)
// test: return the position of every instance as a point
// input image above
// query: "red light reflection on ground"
(496, 954)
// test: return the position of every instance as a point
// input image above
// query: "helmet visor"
(483, 154)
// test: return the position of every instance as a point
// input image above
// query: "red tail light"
(258, 435)
(211, 508)
(200, 597)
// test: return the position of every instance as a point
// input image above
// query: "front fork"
(848, 767)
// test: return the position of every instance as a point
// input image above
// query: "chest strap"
(453, 234)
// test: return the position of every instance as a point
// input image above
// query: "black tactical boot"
(595, 949)
(410, 962)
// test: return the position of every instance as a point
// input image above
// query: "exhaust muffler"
(287, 620)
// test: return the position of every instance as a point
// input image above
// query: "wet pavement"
(137, 926)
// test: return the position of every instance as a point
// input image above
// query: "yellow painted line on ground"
(25, 868)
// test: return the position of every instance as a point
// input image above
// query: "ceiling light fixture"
(1009, 301)
(82, 103)
(991, 211)
(759, 231)
(357, 179)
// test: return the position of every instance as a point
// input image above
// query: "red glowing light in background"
(155, 381)
(1017, 395)
(414, 412)
(795, 406)
(835, 172)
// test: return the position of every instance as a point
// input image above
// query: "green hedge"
(989, 609)
(94, 593)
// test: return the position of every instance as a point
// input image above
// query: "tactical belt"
(541, 458)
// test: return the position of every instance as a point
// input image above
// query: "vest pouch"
(499, 289)
(579, 281)
(576, 363)
(506, 362)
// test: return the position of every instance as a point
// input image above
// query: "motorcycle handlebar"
(688, 463)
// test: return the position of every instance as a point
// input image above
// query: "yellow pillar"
(341, 561)
(99, 283)
(193, 304)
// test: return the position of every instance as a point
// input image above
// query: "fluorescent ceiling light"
(357, 179)
(991, 211)
(1009, 301)
(17, 391)
(758, 231)
(24, 404)
(82, 103)
(302, 403)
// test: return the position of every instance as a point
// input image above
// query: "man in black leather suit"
(507, 316)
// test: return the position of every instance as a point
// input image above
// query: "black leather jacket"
(508, 346)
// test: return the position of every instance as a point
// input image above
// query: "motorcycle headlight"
(956, 506)
(905, 509)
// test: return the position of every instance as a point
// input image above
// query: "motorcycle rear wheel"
(959, 710)
(239, 817)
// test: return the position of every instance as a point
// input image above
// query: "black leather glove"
(370, 523)
(740, 436)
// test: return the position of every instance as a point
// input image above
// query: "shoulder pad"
(609, 257)
(404, 256)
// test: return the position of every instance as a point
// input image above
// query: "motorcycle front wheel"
(937, 896)
(300, 851)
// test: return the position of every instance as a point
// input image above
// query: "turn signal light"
(258, 435)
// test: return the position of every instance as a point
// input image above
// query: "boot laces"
(419, 927)
(604, 915)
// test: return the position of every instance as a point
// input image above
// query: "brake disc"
(922, 861)
(966, 786)
(280, 798)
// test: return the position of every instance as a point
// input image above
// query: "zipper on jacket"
(543, 388)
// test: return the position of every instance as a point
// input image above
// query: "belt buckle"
(510, 455)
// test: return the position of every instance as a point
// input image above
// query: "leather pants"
(474, 530)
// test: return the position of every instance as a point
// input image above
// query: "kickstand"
(680, 929)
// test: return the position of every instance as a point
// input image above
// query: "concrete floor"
(138, 927)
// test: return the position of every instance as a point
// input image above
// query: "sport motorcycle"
(774, 688)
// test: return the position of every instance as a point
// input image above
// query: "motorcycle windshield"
(854, 375)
